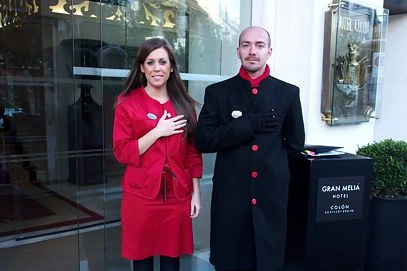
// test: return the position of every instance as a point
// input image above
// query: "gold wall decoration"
(152, 13)
(12, 11)
(90, 9)
(355, 36)
(159, 13)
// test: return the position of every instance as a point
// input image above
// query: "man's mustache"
(251, 58)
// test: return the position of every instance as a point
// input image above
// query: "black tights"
(147, 264)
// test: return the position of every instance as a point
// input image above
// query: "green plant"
(389, 167)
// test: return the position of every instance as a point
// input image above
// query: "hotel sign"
(354, 45)
(340, 198)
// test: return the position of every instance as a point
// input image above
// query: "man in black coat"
(254, 123)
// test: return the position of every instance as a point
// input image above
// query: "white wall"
(392, 122)
(297, 31)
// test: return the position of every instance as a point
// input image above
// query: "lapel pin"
(236, 114)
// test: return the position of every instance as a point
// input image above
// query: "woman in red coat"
(154, 124)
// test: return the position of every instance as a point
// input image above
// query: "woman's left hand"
(196, 204)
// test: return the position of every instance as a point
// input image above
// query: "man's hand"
(266, 122)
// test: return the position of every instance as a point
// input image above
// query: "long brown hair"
(183, 103)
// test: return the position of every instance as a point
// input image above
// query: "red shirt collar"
(254, 82)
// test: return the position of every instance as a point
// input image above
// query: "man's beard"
(251, 68)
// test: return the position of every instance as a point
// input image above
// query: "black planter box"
(387, 236)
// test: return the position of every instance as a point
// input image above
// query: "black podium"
(328, 212)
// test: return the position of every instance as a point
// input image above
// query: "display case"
(354, 46)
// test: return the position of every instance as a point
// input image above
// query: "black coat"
(251, 175)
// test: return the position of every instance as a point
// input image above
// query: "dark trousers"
(147, 264)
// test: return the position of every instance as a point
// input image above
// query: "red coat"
(136, 115)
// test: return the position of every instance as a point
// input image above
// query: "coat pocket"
(136, 177)
(183, 180)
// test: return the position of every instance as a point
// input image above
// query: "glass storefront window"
(62, 65)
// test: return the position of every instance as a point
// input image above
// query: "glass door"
(62, 65)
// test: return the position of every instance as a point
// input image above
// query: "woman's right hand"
(170, 126)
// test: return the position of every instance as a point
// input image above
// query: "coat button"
(254, 201)
(255, 148)
(255, 91)
(254, 174)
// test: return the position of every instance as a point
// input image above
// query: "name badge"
(151, 116)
